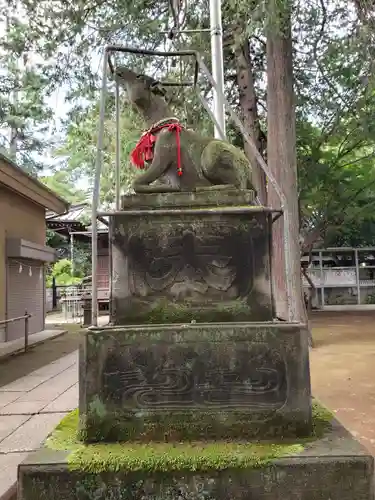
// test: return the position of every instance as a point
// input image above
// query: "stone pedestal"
(195, 391)
(185, 258)
(333, 467)
(202, 381)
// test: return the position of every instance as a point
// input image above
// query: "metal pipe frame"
(199, 64)
(182, 32)
(179, 53)
(96, 195)
(357, 276)
(118, 145)
(99, 155)
(217, 65)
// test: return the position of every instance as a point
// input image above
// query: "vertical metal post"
(217, 64)
(321, 278)
(26, 330)
(357, 276)
(54, 293)
(118, 146)
(291, 306)
(96, 196)
(72, 252)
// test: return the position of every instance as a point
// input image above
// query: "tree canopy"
(49, 46)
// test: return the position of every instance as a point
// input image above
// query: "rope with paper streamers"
(22, 265)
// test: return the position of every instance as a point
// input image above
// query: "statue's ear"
(158, 89)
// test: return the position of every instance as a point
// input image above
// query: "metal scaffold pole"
(96, 196)
(217, 66)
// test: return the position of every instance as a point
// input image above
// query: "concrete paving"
(14, 346)
(30, 408)
(58, 318)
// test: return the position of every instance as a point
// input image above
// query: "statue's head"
(139, 88)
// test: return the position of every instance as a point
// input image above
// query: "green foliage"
(62, 272)
(335, 131)
(24, 112)
(79, 152)
(370, 299)
(334, 85)
(82, 258)
(61, 184)
(53, 239)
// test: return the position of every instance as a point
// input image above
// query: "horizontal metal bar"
(345, 249)
(6, 321)
(177, 84)
(203, 30)
(100, 231)
(103, 221)
(130, 50)
(277, 216)
(146, 52)
(193, 211)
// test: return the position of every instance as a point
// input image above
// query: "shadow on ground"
(22, 364)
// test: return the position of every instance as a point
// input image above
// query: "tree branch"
(358, 160)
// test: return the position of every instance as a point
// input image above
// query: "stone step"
(334, 467)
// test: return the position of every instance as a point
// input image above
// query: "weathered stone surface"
(232, 380)
(335, 467)
(207, 263)
(226, 197)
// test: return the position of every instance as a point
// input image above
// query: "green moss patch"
(115, 425)
(166, 312)
(321, 419)
(167, 457)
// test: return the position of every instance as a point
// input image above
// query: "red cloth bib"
(144, 150)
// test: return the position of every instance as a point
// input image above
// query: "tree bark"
(282, 161)
(249, 112)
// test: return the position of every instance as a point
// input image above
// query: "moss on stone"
(165, 312)
(191, 333)
(175, 456)
(190, 425)
(198, 199)
(161, 457)
(321, 419)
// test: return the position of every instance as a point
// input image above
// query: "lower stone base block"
(334, 467)
(195, 381)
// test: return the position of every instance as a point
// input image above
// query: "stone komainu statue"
(177, 158)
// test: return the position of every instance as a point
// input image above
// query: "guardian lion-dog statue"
(177, 158)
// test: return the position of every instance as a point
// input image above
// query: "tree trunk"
(249, 112)
(282, 161)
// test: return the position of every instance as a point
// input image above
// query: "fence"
(26, 318)
(342, 276)
(68, 299)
